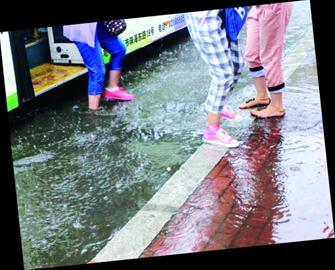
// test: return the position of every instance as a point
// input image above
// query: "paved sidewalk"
(217, 215)
(272, 189)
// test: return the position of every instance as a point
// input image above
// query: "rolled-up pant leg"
(96, 68)
(252, 53)
(274, 21)
(267, 25)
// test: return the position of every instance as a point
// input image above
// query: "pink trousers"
(266, 27)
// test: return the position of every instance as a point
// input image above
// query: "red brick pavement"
(232, 206)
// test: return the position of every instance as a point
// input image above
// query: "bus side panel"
(140, 32)
(23, 80)
(144, 31)
(9, 72)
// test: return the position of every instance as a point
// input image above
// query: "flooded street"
(80, 176)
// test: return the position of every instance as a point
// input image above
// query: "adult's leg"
(274, 19)
(213, 47)
(96, 72)
(253, 57)
(117, 49)
(237, 60)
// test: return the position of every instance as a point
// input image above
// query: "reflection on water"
(81, 176)
(272, 189)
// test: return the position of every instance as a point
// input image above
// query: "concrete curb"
(138, 233)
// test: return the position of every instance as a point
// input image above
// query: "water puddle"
(81, 176)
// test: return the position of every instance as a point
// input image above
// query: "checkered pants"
(225, 60)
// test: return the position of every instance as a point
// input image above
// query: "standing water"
(81, 176)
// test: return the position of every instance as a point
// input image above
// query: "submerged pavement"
(140, 172)
(272, 189)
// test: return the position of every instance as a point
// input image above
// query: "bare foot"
(269, 112)
(255, 102)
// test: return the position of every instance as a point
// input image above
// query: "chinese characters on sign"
(155, 31)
